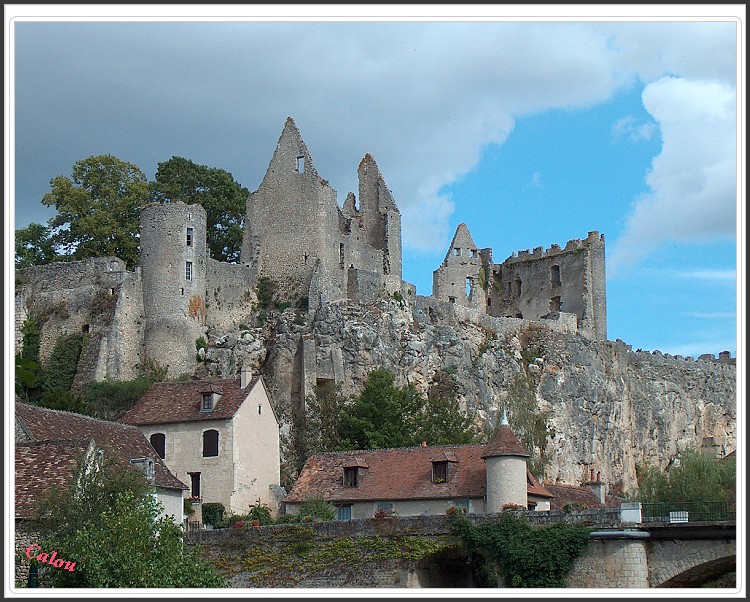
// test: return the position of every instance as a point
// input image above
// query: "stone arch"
(694, 569)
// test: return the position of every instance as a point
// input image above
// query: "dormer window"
(350, 477)
(210, 397)
(441, 471)
(353, 471)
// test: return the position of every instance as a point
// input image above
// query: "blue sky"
(530, 132)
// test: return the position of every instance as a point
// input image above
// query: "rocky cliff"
(580, 405)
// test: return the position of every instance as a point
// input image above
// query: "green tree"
(98, 209)
(382, 416)
(109, 527)
(215, 189)
(441, 421)
(34, 246)
(323, 420)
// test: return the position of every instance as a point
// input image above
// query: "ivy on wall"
(526, 556)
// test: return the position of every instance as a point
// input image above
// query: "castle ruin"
(297, 236)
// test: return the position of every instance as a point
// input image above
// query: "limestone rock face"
(577, 404)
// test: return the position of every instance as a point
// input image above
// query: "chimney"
(246, 375)
(424, 443)
(597, 487)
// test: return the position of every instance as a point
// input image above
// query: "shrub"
(261, 513)
(316, 508)
(213, 513)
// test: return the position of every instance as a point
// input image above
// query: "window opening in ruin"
(489, 302)
(350, 477)
(158, 442)
(301, 164)
(345, 512)
(519, 315)
(554, 275)
(439, 472)
(555, 304)
(189, 237)
(111, 291)
(195, 484)
(451, 299)
(517, 287)
(457, 252)
(85, 328)
(210, 443)
(182, 291)
(188, 270)
(469, 284)
(341, 254)
(474, 253)
(260, 408)
(305, 256)
(207, 403)
(190, 217)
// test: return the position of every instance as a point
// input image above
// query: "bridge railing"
(683, 512)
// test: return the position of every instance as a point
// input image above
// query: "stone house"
(53, 446)
(423, 480)
(221, 437)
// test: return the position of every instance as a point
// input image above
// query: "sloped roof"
(533, 487)
(504, 443)
(43, 465)
(170, 402)
(572, 494)
(396, 474)
(120, 442)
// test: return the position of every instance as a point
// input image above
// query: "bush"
(213, 513)
(316, 508)
(261, 513)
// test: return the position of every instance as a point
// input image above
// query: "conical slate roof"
(504, 443)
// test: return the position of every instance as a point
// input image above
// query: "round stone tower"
(505, 465)
(173, 261)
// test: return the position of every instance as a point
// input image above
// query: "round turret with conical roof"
(505, 466)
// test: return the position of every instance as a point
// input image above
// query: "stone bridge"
(420, 552)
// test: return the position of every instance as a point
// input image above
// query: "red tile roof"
(572, 494)
(119, 441)
(504, 443)
(533, 487)
(41, 466)
(395, 474)
(180, 401)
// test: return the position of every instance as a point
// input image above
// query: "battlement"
(575, 244)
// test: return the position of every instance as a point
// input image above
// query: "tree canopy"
(98, 210)
(215, 189)
(109, 527)
(34, 246)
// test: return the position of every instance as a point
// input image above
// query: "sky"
(532, 131)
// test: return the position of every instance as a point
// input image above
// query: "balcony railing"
(683, 512)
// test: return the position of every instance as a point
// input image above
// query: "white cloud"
(717, 315)
(692, 181)
(629, 128)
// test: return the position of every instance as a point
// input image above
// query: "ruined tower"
(173, 260)
(297, 236)
(543, 284)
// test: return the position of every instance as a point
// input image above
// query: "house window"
(350, 477)
(439, 472)
(345, 512)
(189, 237)
(207, 402)
(463, 504)
(384, 506)
(210, 443)
(188, 270)
(195, 484)
(158, 442)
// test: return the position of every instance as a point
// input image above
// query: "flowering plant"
(238, 525)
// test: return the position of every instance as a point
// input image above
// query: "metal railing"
(683, 512)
